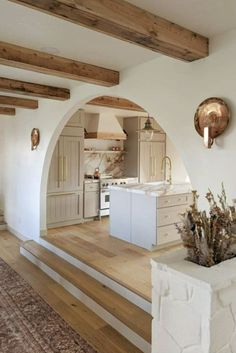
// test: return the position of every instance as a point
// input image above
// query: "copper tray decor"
(211, 119)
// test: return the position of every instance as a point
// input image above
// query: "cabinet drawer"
(174, 200)
(91, 187)
(169, 215)
(167, 234)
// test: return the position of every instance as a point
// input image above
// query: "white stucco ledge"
(193, 307)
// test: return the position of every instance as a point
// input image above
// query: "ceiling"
(33, 29)
(36, 30)
(206, 17)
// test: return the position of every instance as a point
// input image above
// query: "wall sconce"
(35, 138)
(211, 119)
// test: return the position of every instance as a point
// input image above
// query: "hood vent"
(103, 127)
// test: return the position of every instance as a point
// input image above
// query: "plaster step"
(1, 218)
(3, 225)
(106, 279)
(125, 317)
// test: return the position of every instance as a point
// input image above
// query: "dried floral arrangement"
(209, 238)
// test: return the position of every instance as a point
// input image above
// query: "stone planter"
(193, 307)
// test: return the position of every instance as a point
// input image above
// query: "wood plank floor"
(129, 314)
(125, 263)
(97, 332)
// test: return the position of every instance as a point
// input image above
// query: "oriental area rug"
(28, 324)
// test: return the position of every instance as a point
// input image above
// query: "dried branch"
(209, 239)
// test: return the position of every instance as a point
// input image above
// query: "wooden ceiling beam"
(7, 111)
(116, 103)
(127, 22)
(34, 60)
(33, 89)
(19, 102)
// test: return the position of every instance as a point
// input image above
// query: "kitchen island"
(146, 214)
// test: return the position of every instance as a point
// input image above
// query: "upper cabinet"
(66, 169)
(66, 174)
(143, 157)
(150, 158)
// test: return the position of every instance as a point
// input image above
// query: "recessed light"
(50, 50)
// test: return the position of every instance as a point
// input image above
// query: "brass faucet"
(166, 158)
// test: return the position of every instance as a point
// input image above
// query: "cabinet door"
(55, 182)
(144, 161)
(150, 157)
(157, 154)
(72, 163)
(91, 204)
(62, 208)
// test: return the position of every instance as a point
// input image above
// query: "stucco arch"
(53, 140)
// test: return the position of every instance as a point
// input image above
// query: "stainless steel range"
(105, 192)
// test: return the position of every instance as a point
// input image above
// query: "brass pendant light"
(147, 131)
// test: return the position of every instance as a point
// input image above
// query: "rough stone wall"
(190, 317)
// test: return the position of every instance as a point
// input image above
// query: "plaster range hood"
(104, 127)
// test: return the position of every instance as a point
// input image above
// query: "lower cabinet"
(91, 200)
(146, 220)
(64, 208)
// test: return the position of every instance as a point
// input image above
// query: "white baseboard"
(43, 232)
(17, 234)
(125, 331)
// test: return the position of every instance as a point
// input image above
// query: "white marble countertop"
(155, 189)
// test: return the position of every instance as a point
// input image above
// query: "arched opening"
(112, 147)
(118, 213)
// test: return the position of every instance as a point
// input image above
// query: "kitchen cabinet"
(66, 172)
(151, 154)
(143, 158)
(91, 200)
(65, 180)
(145, 219)
(64, 208)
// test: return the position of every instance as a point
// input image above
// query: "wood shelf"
(105, 152)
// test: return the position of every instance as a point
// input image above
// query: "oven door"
(105, 199)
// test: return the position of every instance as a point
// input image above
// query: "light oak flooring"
(125, 263)
(99, 334)
(126, 312)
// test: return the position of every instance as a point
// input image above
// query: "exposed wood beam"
(116, 103)
(33, 89)
(7, 111)
(24, 58)
(19, 102)
(127, 22)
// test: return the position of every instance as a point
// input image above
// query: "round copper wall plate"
(213, 113)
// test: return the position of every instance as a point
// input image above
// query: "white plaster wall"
(179, 173)
(169, 89)
(23, 181)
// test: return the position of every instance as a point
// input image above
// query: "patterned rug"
(28, 324)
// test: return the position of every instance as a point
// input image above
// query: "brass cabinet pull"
(60, 177)
(64, 168)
